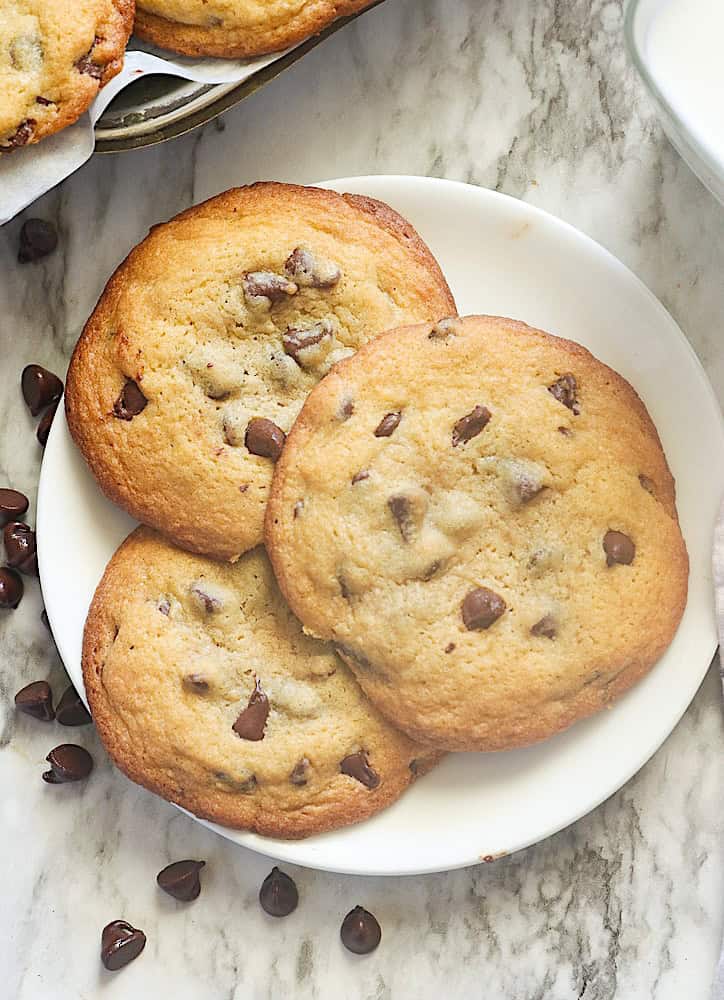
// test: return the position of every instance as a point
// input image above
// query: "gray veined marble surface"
(534, 98)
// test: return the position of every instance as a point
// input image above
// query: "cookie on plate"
(209, 336)
(490, 539)
(205, 690)
(240, 29)
(55, 55)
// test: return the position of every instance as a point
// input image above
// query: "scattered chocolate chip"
(45, 423)
(299, 772)
(40, 388)
(430, 571)
(71, 711)
(310, 271)
(164, 607)
(209, 602)
(357, 766)
(196, 683)
(68, 762)
(546, 627)
(13, 505)
(450, 647)
(343, 588)
(19, 539)
(401, 510)
(181, 880)
(527, 484)
(618, 548)
(22, 135)
(120, 944)
(298, 339)
(360, 931)
(38, 238)
(444, 328)
(130, 402)
(648, 484)
(278, 894)
(86, 65)
(346, 408)
(265, 285)
(11, 588)
(470, 425)
(251, 722)
(298, 508)
(36, 699)
(360, 476)
(264, 438)
(481, 608)
(44, 101)
(564, 390)
(388, 425)
(565, 431)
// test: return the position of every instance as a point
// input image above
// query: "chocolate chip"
(11, 588)
(564, 390)
(45, 423)
(251, 722)
(44, 101)
(209, 602)
(546, 627)
(264, 438)
(38, 238)
(444, 328)
(565, 431)
(470, 425)
(414, 767)
(298, 339)
(310, 271)
(86, 65)
(360, 931)
(164, 607)
(360, 476)
(388, 425)
(346, 408)
(299, 772)
(13, 505)
(22, 135)
(130, 402)
(181, 879)
(357, 766)
(36, 699)
(343, 588)
(481, 608)
(40, 388)
(120, 944)
(278, 894)
(450, 647)
(68, 762)
(648, 484)
(19, 539)
(430, 571)
(401, 509)
(267, 286)
(618, 548)
(196, 683)
(527, 484)
(71, 711)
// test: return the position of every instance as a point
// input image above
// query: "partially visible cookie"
(205, 690)
(208, 338)
(491, 539)
(237, 28)
(55, 55)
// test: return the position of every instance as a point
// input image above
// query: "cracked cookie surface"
(208, 338)
(205, 690)
(506, 558)
(54, 58)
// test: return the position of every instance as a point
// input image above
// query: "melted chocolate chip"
(164, 607)
(298, 339)
(450, 647)
(360, 931)
(181, 880)
(44, 101)
(130, 402)
(546, 627)
(120, 944)
(22, 136)
(346, 408)
(196, 683)
(267, 285)
(360, 476)
(278, 895)
(208, 602)
(86, 65)
(68, 762)
(36, 699)
(444, 328)
(45, 423)
(565, 431)
(251, 722)
(11, 588)
(481, 608)
(648, 484)
(299, 772)
(20, 550)
(38, 238)
(310, 271)
(388, 425)
(264, 438)
(564, 390)
(40, 388)
(71, 711)
(470, 425)
(13, 505)
(357, 766)
(618, 548)
(401, 509)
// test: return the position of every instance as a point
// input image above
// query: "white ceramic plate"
(500, 256)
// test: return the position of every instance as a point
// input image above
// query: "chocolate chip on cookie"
(648, 484)
(401, 510)
(388, 425)
(311, 271)
(264, 288)
(470, 425)
(130, 402)
(546, 627)
(481, 608)
(357, 766)
(298, 341)
(618, 548)
(359, 477)
(564, 389)
(197, 683)
(300, 772)
(264, 438)
(445, 328)
(251, 722)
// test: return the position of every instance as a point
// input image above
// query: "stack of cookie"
(472, 522)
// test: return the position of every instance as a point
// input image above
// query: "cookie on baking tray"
(205, 690)
(209, 336)
(490, 538)
(238, 29)
(55, 55)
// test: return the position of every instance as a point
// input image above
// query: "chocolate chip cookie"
(207, 339)
(240, 29)
(205, 690)
(55, 55)
(490, 538)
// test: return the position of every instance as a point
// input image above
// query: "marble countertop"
(533, 99)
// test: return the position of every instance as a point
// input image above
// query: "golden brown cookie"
(205, 690)
(55, 55)
(237, 28)
(490, 539)
(209, 336)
